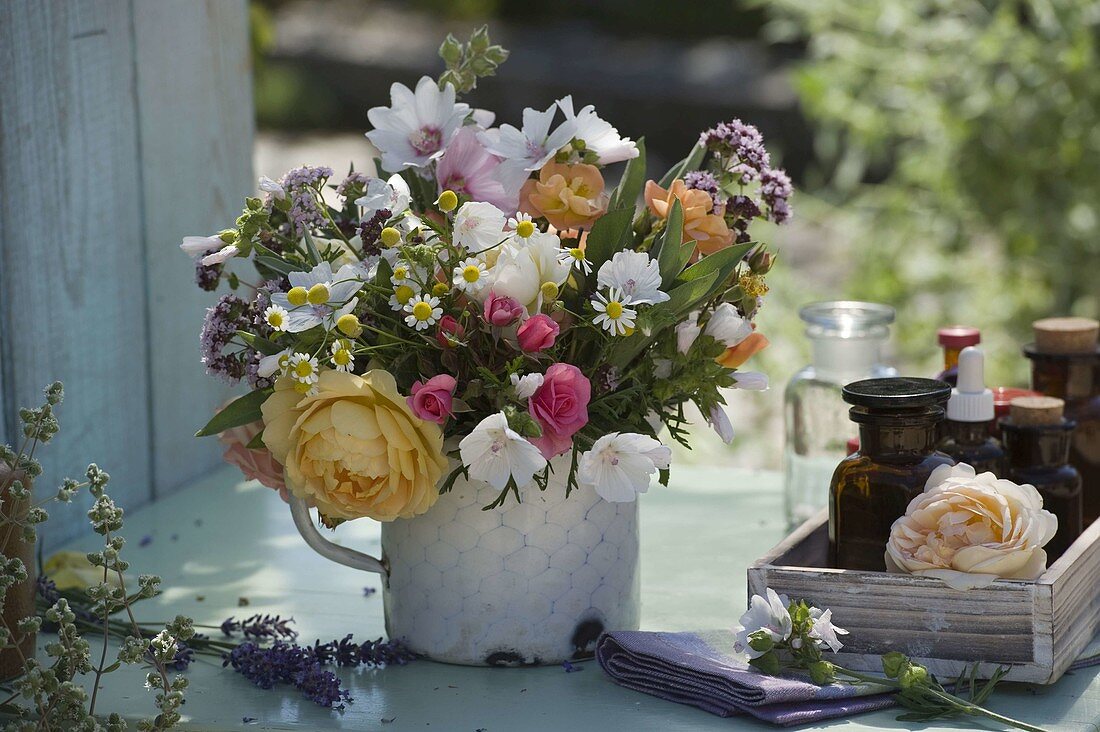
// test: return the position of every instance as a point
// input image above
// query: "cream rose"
(354, 448)
(969, 529)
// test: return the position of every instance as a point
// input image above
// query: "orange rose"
(569, 196)
(702, 224)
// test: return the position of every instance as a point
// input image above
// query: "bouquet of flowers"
(484, 302)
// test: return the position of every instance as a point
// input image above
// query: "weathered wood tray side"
(1038, 628)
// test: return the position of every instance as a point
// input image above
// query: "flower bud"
(549, 290)
(297, 296)
(390, 236)
(524, 229)
(893, 663)
(349, 325)
(913, 675)
(439, 289)
(822, 672)
(447, 201)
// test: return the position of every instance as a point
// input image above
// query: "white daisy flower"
(342, 356)
(305, 371)
(276, 317)
(515, 221)
(598, 135)
(403, 295)
(277, 362)
(494, 452)
(575, 257)
(392, 195)
(620, 464)
(320, 296)
(728, 326)
(422, 312)
(270, 186)
(636, 274)
(469, 275)
(402, 274)
(417, 126)
(526, 385)
(613, 312)
(479, 226)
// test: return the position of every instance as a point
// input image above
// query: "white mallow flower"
(527, 149)
(270, 186)
(767, 613)
(728, 326)
(635, 274)
(620, 464)
(274, 363)
(222, 255)
(598, 135)
(529, 270)
(687, 331)
(479, 226)
(750, 380)
(417, 126)
(720, 423)
(320, 296)
(824, 631)
(392, 195)
(526, 385)
(194, 246)
(494, 452)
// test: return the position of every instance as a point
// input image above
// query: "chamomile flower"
(402, 273)
(402, 295)
(342, 356)
(575, 257)
(276, 317)
(514, 221)
(469, 275)
(305, 371)
(613, 312)
(422, 312)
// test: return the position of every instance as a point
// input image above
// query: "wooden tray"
(1037, 628)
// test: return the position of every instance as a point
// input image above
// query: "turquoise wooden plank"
(195, 112)
(224, 540)
(71, 269)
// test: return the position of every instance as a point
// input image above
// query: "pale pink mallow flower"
(467, 168)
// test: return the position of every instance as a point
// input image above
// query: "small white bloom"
(343, 357)
(405, 274)
(766, 613)
(194, 246)
(575, 257)
(635, 274)
(824, 631)
(469, 275)
(720, 423)
(276, 317)
(527, 267)
(598, 135)
(613, 312)
(422, 312)
(303, 368)
(728, 326)
(751, 380)
(479, 226)
(277, 362)
(269, 186)
(514, 221)
(222, 255)
(687, 331)
(417, 126)
(494, 452)
(620, 464)
(526, 385)
(402, 295)
(527, 149)
(331, 296)
(392, 195)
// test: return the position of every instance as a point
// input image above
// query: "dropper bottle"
(969, 418)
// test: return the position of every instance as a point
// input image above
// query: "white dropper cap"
(970, 400)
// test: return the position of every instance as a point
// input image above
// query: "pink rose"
(255, 464)
(560, 406)
(502, 311)
(537, 333)
(448, 326)
(431, 401)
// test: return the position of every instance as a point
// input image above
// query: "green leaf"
(275, 264)
(263, 345)
(608, 235)
(669, 246)
(242, 410)
(257, 442)
(684, 297)
(311, 247)
(630, 185)
(724, 260)
(691, 162)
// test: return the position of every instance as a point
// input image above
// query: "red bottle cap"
(853, 445)
(1003, 396)
(958, 336)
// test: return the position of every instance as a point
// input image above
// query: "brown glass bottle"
(1038, 454)
(1075, 378)
(970, 443)
(898, 422)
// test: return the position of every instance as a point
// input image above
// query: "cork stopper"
(1066, 335)
(1032, 411)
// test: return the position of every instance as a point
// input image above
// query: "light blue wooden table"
(222, 540)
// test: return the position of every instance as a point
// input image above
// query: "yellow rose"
(354, 448)
(968, 530)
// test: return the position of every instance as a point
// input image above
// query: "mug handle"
(327, 549)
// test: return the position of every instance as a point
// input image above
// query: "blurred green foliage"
(958, 147)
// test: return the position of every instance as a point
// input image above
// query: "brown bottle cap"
(1029, 411)
(1066, 335)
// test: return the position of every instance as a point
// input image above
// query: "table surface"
(222, 542)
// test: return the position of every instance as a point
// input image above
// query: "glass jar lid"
(847, 318)
(899, 392)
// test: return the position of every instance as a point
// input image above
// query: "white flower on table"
(635, 274)
(767, 613)
(598, 135)
(728, 326)
(392, 195)
(319, 297)
(417, 126)
(422, 312)
(478, 227)
(620, 464)
(613, 312)
(494, 452)
(824, 631)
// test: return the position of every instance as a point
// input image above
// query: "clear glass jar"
(847, 339)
